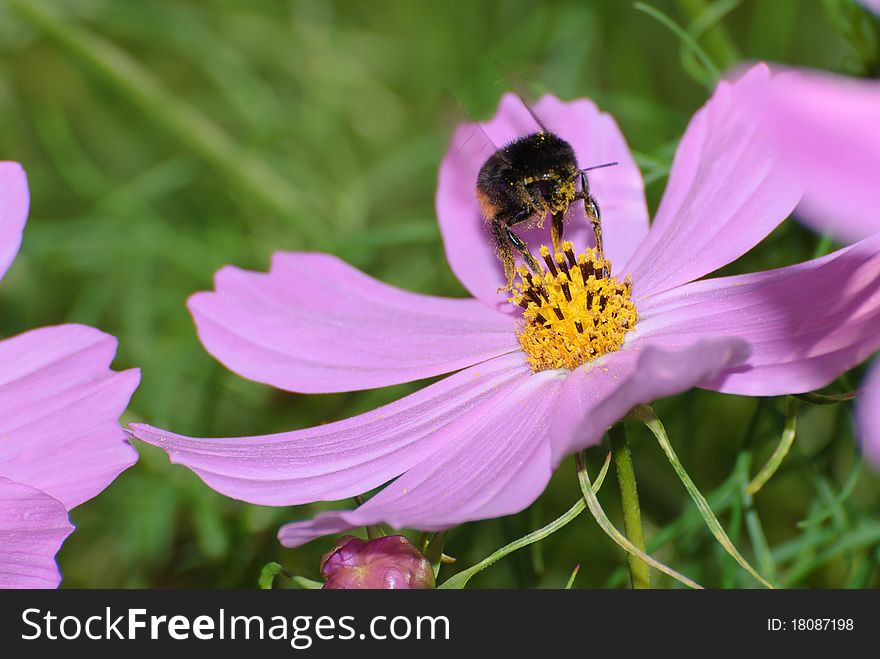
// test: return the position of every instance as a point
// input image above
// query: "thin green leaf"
(433, 550)
(863, 536)
(268, 574)
(707, 26)
(602, 473)
(271, 570)
(789, 432)
(848, 487)
(753, 522)
(589, 492)
(686, 39)
(826, 399)
(574, 573)
(646, 415)
(711, 17)
(730, 570)
(460, 580)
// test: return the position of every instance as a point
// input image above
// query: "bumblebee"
(524, 181)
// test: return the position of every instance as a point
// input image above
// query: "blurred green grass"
(163, 140)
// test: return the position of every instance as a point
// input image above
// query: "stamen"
(589, 311)
(545, 254)
(560, 261)
(568, 249)
(533, 296)
(566, 290)
(585, 268)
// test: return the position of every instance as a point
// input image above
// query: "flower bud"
(387, 562)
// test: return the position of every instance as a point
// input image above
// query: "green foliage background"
(165, 139)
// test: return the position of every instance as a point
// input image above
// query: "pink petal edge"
(33, 526)
(348, 457)
(726, 192)
(315, 324)
(505, 461)
(807, 323)
(868, 415)
(827, 127)
(14, 203)
(499, 464)
(59, 410)
(600, 393)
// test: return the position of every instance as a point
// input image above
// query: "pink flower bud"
(387, 562)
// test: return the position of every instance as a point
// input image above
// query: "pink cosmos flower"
(484, 441)
(829, 129)
(60, 440)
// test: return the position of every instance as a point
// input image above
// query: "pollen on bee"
(574, 311)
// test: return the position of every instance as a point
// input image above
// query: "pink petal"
(596, 140)
(873, 5)
(315, 324)
(498, 465)
(349, 457)
(828, 127)
(32, 527)
(59, 411)
(14, 201)
(599, 394)
(807, 323)
(868, 415)
(726, 192)
(504, 462)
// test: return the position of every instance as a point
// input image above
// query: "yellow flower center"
(573, 311)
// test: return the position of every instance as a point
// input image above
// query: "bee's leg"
(517, 242)
(591, 208)
(522, 249)
(556, 230)
(502, 243)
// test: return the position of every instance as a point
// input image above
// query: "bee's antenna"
(607, 164)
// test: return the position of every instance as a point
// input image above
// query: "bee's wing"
(518, 87)
(476, 143)
(472, 141)
(539, 126)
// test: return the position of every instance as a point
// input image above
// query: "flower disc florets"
(573, 311)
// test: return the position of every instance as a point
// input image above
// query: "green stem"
(646, 415)
(629, 497)
(588, 489)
